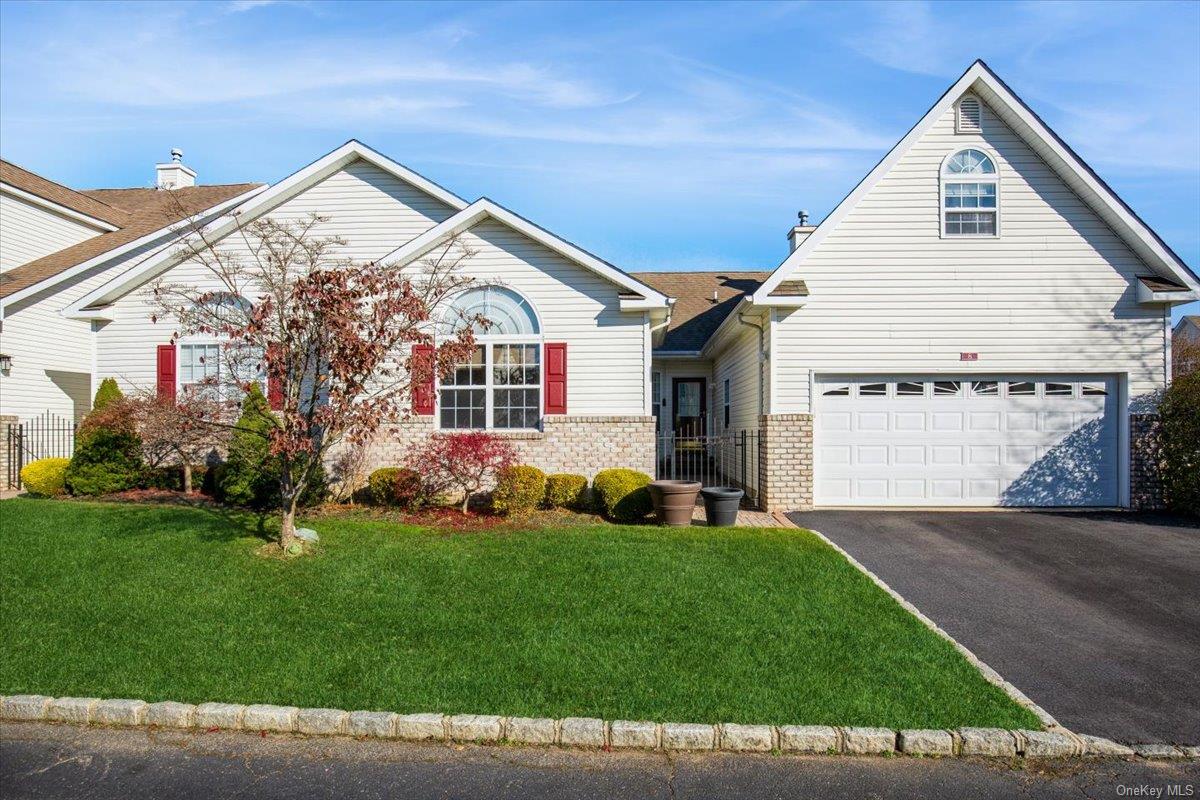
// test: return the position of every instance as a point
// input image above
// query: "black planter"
(721, 505)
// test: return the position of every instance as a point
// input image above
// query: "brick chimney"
(174, 175)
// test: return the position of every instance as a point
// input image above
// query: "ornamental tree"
(183, 432)
(461, 462)
(330, 337)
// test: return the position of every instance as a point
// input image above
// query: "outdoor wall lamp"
(5, 362)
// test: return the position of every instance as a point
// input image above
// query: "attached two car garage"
(968, 440)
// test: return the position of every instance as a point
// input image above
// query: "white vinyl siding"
(1055, 292)
(739, 363)
(29, 231)
(377, 213)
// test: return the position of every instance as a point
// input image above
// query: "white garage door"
(1012, 440)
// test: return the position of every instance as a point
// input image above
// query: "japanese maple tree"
(331, 338)
(461, 461)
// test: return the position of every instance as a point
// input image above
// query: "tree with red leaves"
(461, 461)
(331, 337)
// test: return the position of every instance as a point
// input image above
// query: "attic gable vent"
(970, 115)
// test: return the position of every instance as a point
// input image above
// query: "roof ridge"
(119, 211)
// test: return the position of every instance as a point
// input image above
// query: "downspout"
(762, 395)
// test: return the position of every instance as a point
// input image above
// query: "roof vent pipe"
(800, 232)
(174, 175)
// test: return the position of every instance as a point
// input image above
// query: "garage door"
(1008, 440)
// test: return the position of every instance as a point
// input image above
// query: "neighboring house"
(57, 244)
(981, 321)
(1185, 345)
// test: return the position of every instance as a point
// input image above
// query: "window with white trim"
(501, 386)
(205, 362)
(970, 195)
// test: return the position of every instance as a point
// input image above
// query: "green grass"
(167, 602)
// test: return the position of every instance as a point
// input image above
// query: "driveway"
(1095, 616)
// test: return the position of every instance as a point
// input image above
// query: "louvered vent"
(970, 115)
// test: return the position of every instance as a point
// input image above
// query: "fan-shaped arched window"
(970, 194)
(510, 314)
(501, 386)
(209, 364)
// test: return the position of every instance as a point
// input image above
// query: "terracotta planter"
(721, 505)
(674, 501)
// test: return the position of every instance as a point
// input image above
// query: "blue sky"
(660, 136)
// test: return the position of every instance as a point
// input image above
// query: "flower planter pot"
(674, 501)
(721, 505)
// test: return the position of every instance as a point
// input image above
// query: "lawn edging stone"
(587, 732)
(71, 709)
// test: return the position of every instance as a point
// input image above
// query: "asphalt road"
(61, 761)
(1095, 616)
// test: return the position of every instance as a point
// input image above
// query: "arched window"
(970, 195)
(206, 362)
(501, 386)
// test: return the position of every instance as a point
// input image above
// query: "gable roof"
(62, 196)
(696, 316)
(150, 212)
(638, 295)
(1073, 170)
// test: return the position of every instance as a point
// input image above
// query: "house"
(1185, 345)
(980, 322)
(57, 244)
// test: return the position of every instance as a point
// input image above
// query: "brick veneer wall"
(578, 444)
(1145, 458)
(785, 461)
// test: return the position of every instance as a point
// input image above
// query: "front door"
(690, 413)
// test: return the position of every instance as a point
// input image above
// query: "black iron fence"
(723, 459)
(45, 436)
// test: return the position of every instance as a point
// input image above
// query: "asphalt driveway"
(1095, 616)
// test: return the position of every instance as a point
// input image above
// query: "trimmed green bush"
(519, 489)
(108, 451)
(250, 475)
(1180, 416)
(107, 394)
(46, 476)
(564, 490)
(396, 486)
(622, 494)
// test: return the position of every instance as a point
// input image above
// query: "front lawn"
(698, 625)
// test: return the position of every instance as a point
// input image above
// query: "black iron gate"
(45, 436)
(725, 459)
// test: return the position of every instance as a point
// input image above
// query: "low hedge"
(622, 494)
(519, 489)
(396, 486)
(564, 490)
(46, 476)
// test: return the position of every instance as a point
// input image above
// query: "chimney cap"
(803, 216)
(176, 155)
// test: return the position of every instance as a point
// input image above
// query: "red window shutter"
(166, 372)
(274, 393)
(422, 388)
(556, 377)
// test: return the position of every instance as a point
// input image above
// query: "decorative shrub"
(622, 494)
(564, 490)
(250, 475)
(396, 486)
(1180, 416)
(460, 462)
(519, 489)
(108, 451)
(107, 394)
(46, 476)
